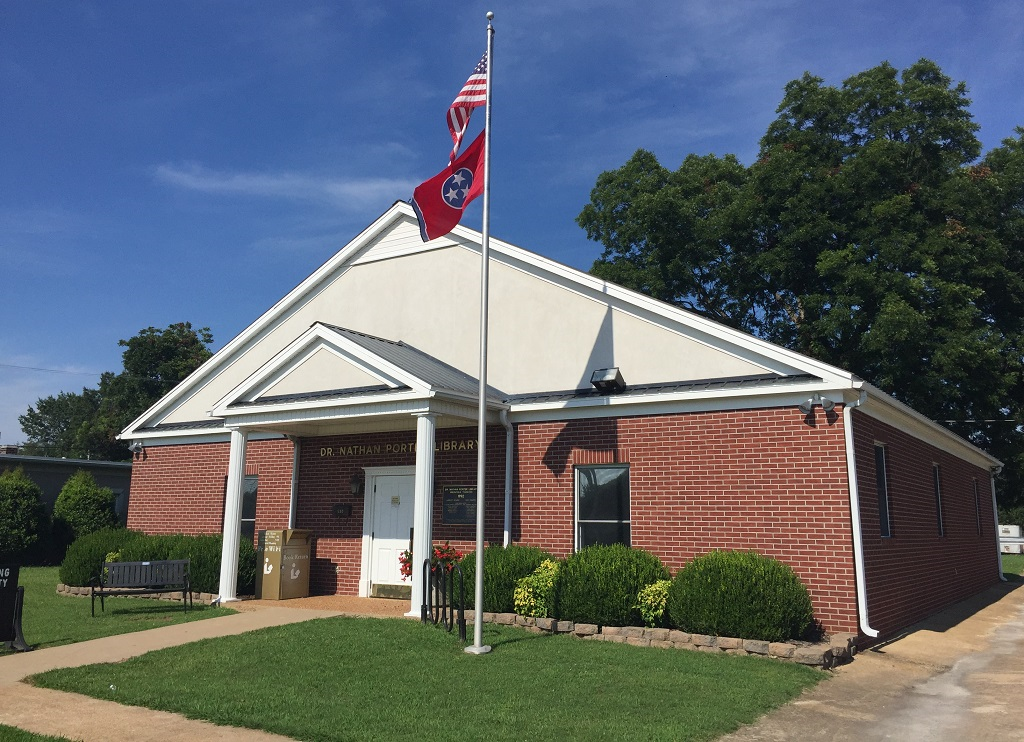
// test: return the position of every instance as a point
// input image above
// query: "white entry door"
(391, 500)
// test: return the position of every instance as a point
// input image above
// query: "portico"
(413, 392)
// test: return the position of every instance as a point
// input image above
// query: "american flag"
(472, 95)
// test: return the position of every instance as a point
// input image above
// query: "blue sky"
(194, 161)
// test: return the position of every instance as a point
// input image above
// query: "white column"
(423, 506)
(232, 518)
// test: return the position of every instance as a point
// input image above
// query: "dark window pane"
(249, 498)
(248, 529)
(883, 491)
(603, 533)
(603, 494)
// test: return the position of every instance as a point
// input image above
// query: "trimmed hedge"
(742, 594)
(504, 566)
(85, 557)
(599, 584)
(23, 519)
(85, 506)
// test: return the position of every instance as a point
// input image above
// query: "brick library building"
(350, 407)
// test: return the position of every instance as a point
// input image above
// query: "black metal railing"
(440, 606)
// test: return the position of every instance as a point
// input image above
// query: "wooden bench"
(142, 578)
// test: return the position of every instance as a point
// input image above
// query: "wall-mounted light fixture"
(137, 449)
(355, 483)
(608, 380)
(808, 404)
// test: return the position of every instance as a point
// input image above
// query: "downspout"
(858, 536)
(509, 448)
(294, 495)
(995, 518)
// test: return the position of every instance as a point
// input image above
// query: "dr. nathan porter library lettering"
(396, 448)
(349, 409)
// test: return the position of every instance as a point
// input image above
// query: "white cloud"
(351, 194)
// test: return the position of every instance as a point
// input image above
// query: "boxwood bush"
(534, 594)
(740, 594)
(84, 506)
(599, 584)
(504, 566)
(85, 557)
(22, 515)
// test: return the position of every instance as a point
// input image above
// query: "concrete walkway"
(957, 677)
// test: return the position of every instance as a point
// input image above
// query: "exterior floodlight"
(608, 380)
(135, 447)
(808, 404)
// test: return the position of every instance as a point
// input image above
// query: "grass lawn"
(391, 679)
(1013, 564)
(50, 619)
(12, 734)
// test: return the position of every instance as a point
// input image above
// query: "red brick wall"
(180, 489)
(752, 479)
(325, 480)
(916, 572)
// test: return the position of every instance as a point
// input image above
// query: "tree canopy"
(870, 233)
(86, 425)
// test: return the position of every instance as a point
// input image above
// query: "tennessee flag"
(440, 201)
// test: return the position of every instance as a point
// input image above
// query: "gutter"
(858, 536)
(294, 493)
(995, 518)
(509, 448)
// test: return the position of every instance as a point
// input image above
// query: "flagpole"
(478, 647)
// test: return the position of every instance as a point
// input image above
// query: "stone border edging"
(83, 592)
(838, 650)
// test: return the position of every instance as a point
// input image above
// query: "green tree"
(867, 234)
(86, 425)
(22, 515)
(83, 506)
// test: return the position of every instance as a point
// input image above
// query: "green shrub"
(504, 566)
(740, 594)
(534, 594)
(651, 603)
(22, 515)
(85, 557)
(599, 584)
(203, 553)
(85, 506)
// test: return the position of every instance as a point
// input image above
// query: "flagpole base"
(473, 649)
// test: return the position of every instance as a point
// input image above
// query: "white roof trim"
(318, 337)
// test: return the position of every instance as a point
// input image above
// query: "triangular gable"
(394, 235)
(299, 369)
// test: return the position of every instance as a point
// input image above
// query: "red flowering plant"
(445, 555)
(405, 564)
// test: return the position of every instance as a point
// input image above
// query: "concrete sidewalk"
(90, 720)
(957, 677)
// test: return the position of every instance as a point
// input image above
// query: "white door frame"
(370, 474)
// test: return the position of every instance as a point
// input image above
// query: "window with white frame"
(882, 485)
(602, 505)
